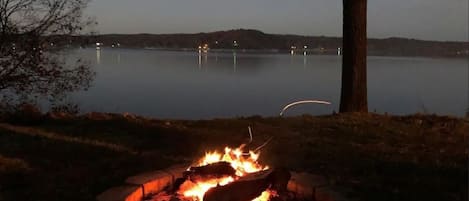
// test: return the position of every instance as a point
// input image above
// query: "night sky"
(421, 19)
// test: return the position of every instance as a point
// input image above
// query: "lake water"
(189, 85)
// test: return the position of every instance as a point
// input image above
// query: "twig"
(250, 134)
(263, 145)
(250, 141)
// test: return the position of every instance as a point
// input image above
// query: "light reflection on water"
(98, 57)
(215, 84)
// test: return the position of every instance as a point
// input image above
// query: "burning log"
(218, 169)
(250, 186)
(235, 172)
(237, 191)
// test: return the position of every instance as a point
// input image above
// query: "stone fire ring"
(136, 188)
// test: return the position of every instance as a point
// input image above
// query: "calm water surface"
(187, 85)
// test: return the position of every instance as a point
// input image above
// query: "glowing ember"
(198, 189)
(242, 162)
(266, 195)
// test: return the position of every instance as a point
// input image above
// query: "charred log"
(212, 170)
(238, 191)
(250, 186)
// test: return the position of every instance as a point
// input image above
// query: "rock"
(122, 193)
(305, 185)
(151, 182)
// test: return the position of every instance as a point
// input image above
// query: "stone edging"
(139, 186)
(306, 186)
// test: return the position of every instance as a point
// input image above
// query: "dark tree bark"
(354, 80)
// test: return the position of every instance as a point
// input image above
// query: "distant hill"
(257, 40)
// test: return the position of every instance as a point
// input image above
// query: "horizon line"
(281, 34)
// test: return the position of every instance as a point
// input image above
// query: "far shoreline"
(263, 52)
(250, 40)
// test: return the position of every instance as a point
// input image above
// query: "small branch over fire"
(250, 134)
(250, 141)
(263, 145)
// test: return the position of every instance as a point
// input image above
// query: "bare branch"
(28, 65)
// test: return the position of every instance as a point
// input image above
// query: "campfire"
(234, 175)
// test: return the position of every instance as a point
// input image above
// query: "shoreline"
(268, 52)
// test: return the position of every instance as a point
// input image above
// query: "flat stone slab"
(122, 193)
(307, 186)
(304, 185)
(177, 170)
(326, 194)
(151, 182)
(307, 179)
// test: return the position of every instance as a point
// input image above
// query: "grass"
(365, 157)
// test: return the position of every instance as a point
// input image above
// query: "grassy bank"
(366, 157)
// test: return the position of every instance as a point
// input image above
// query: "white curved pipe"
(303, 102)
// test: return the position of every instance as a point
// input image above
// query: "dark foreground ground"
(365, 157)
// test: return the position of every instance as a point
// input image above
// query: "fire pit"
(234, 175)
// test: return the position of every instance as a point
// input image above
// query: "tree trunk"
(354, 89)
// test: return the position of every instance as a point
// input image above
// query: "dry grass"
(12, 165)
(37, 132)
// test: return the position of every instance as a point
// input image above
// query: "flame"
(266, 195)
(243, 162)
(197, 190)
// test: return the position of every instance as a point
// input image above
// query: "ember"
(243, 163)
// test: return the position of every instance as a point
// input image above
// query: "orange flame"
(242, 162)
(197, 190)
(266, 195)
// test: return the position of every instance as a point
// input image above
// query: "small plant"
(16, 109)
(67, 108)
(11, 165)
(24, 113)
